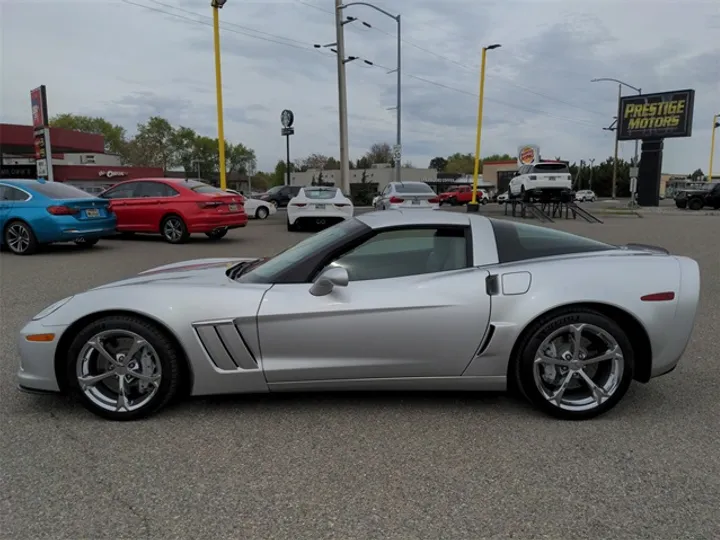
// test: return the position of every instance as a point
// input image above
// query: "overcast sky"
(127, 62)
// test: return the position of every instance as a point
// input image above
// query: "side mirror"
(328, 280)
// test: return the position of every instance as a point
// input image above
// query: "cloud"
(127, 62)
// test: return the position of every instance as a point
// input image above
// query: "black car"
(280, 195)
(697, 199)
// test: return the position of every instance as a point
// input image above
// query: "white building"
(378, 174)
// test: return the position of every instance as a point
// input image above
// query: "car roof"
(392, 218)
(20, 182)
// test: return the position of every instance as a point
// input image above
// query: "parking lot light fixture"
(216, 6)
(715, 125)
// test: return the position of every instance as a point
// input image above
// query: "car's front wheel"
(262, 212)
(574, 364)
(123, 368)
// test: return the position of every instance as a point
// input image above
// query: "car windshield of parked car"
(275, 189)
(413, 187)
(274, 266)
(321, 193)
(58, 190)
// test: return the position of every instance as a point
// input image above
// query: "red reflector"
(434, 200)
(396, 200)
(658, 297)
(62, 210)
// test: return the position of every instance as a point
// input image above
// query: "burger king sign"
(528, 154)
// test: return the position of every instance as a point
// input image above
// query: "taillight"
(62, 210)
(396, 200)
(658, 297)
(209, 204)
(301, 205)
(434, 200)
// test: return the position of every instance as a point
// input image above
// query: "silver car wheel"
(118, 371)
(18, 238)
(173, 229)
(262, 212)
(578, 367)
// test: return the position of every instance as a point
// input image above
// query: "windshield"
(413, 187)
(57, 190)
(274, 189)
(274, 266)
(320, 193)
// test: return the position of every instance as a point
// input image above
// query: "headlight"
(52, 309)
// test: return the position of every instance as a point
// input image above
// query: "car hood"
(193, 272)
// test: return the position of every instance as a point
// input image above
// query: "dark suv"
(280, 195)
(697, 199)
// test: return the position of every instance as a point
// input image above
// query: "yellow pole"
(218, 90)
(476, 170)
(712, 146)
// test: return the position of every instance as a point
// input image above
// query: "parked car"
(36, 212)
(402, 195)
(319, 206)
(385, 300)
(585, 195)
(255, 208)
(548, 178)
(280, 196)
(697, 199)
(462, 195)
(503, 197)
(174, 208)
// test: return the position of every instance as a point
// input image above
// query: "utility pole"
(342, 100)
(592, 166)
(613, 127)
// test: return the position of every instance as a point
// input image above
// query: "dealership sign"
(41, 133)
(663, 115)
(528, 155)
(112, 174)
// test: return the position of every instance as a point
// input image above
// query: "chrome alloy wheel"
(578, 367)
(173, 229)
(118, 371)
(18, 237)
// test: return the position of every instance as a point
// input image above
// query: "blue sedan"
(37, 212)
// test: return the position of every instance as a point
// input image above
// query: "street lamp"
(396, 18)
(473, 206)
(217, 5)
(715, 125)
(617, 131)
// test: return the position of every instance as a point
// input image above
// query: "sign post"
(287, 118)
(41, 133)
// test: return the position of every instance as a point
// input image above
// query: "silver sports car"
(409, 300)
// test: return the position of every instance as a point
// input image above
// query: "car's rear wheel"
(575, 364)
(695, 204)
(123, 368)
(292, 226)
(217, 234)
(262, 212)
(20, 238)
(86, 242)
(524, 195)
(174, 230)
(681, 204)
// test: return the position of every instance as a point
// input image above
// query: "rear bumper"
(330, 215)
(403, 206)
(210, 223)
(67, 228)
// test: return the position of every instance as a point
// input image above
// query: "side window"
(2, 193)
(407, 252)
(15, 195)
(126, 191)
(156, 189)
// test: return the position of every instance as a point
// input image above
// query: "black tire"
(695, 204)
(483, 201)
(453, 201)
(169, 359)
(262, 212)
(86, 243)
(217, 234)
(178, 225)
(524, 195)
(291, 227)
(524, 364)
(681, 204)
(19, 230)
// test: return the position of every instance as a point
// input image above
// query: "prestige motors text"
(655, 115)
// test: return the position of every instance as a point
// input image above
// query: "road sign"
(633, 184)
(288, 131)
(397, 152)
(634, 171)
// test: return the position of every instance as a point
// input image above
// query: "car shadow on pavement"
(194, 239)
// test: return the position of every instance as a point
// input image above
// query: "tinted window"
(200, 187)
(8, 193)
(520, 241)
(125, 191)
(413, 187)
(274, 190)
(320, 193)
(156, 189)
(57, 190)
(407, 252)
(550, 167)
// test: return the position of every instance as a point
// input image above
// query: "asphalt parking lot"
(360, 466)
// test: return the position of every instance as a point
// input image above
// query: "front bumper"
(37, 359)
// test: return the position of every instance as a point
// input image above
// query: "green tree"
(115, 135)
(380, 153)
(183, 144)
(278, 176)
(239, 159)
(460, 163)
(332, 164)
(438, 163)
(153, 144)
(363, 163)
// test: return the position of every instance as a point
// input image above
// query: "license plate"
(92, 212)
(319, 207)
(416, 201)
(233, 207)
(551, 178)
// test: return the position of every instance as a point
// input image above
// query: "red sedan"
(175, 208)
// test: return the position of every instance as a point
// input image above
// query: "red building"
(78, 158)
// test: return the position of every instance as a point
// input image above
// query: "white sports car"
(318, 206)
(255, 208)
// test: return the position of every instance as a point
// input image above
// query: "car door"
(5, 206)
(122, 199)
(414, 307)
(154, 201)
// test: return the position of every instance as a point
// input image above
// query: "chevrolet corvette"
(392, 300)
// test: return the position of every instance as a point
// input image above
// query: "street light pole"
(217, 5)
(715, 125)
(473, 206)
(398, 137)
(617, 142)
(342, 100)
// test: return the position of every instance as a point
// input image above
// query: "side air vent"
(225, 346)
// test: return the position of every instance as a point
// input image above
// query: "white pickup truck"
(544, 179)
